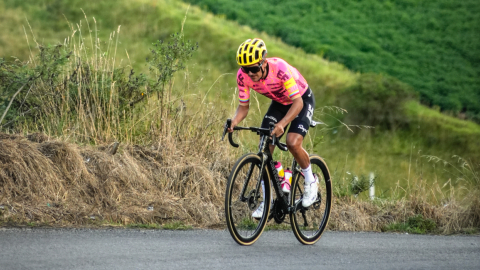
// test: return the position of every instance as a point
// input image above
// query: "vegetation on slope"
(432, 45)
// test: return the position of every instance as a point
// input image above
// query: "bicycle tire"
(309, 226)
(245, 229)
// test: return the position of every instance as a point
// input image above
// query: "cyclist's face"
(254, 71)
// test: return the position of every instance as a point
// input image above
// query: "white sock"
(263, 189)
(271, 196)
(308, 175)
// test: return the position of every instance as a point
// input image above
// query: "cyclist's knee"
(294, 141)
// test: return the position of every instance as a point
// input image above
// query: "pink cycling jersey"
(283, 83)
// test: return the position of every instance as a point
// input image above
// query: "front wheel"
(244, 195)
(309, 223)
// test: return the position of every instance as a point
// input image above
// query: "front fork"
(252, 198)
(263, 146)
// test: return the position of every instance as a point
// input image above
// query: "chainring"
(317, 202)
(251, 200)
(279, 212)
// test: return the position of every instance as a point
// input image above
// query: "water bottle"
(288, 181)
(280, 172)
(282, 177)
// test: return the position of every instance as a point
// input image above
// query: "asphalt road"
(215, 249)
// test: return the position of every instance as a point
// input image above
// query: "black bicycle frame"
(268, 164)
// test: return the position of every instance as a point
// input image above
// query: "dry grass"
(351, 214)
(62, 184)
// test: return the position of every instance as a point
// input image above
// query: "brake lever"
(274, 138)
(226, 126)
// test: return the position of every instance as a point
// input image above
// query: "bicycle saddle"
(314, 123)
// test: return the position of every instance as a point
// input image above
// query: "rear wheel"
(244, 195)
(309, 223)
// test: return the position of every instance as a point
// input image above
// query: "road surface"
(215, 249)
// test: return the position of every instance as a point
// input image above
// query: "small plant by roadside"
(416, 224)
(355, 186)
(144, 226)
(176, 225)
(278, 227)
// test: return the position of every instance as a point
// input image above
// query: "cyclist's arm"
(242, 111)
(297, 106)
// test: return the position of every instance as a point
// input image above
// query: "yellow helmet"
(251, 52)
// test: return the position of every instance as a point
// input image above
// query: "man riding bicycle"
(292, 103)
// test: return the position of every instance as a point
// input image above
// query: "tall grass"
(78, 89)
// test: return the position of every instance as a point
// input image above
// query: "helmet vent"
(244, 58)
(251, 60)
(256, 55)
(255, 41)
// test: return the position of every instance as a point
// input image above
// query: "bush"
(356, 186)
(377, 101)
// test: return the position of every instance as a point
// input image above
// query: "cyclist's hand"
(230, 129)
(278, 130)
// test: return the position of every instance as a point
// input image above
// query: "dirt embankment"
(46, 181)
(59, 183)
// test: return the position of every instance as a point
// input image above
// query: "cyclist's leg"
(299, 128)
(297, 131)
(294, 144)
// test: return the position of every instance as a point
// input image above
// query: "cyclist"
(292, 103)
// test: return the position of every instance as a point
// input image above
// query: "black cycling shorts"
(301, 123)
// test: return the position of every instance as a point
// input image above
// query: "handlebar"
(259, 131)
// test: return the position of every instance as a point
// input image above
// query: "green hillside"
(393, 150)
(432, 45)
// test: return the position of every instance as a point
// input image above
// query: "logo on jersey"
(280, 94)
(302, 128)
(282, 76)
(290, 83)
(271, 117)
(240, 80)
(310, 113)
(302, 85)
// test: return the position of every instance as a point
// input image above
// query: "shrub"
(376, 100)
(356, 186)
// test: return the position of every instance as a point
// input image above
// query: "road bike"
(250, 183)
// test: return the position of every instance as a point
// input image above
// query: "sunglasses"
(253, 69)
